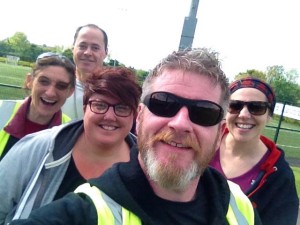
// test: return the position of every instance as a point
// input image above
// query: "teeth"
(176, 144)
(244, 126)
(106, 127)
(48, 101)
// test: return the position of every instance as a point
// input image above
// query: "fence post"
(279, 123)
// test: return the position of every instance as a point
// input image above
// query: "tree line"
(284, 82)
(18, 45)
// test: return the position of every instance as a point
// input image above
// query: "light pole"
(189, 27)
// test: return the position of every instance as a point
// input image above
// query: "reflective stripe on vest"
(109, 212)
(240, 210)
(8, 111)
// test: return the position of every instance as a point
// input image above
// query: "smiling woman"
(253, 161)
(79, 150)
(51, 82)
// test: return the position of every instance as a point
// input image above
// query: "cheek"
(89, 117)
(35, 91)
(64, 94)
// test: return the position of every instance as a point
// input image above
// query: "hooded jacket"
(274, 193)
(32, 171)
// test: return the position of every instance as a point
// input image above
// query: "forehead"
(89, 34)
(248, 94)
(188, 85)
(57, 73)
(103, 97)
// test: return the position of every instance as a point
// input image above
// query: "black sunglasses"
(256, 108)
(201, 112)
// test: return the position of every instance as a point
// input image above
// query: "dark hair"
(92, 26)
(55, 60)
(117, 82)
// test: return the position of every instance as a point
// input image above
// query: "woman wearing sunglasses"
(51, 163)
(253, 161)
(51, 82)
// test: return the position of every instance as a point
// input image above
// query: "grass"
(296, 171)
(11, 74)
(15, 76)
(289, 141)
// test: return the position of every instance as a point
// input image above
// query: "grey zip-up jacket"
(32, 171)
(73, 106)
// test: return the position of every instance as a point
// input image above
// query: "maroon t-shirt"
(245, 180)
(31, 127)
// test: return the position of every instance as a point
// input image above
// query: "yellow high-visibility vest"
(240, 210)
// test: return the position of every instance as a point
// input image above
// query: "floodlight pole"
(189, 27)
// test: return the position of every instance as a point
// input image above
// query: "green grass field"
(296, 171)
(12, 75)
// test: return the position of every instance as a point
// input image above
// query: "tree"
(251, 73)
(141, 74)
(19, 43)
(5, 48)
(68, 53)
(284, 84)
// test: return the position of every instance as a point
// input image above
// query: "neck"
(251, 148)
(92, 160)
(81, 75)
(36, 118)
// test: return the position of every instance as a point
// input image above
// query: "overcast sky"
(248, 34)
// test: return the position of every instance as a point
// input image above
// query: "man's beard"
(169, 175)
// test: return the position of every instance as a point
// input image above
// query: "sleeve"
(16, 170)
(75, 209)
(14, 177)
(277, 200)
(257, 220)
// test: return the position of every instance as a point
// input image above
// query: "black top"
(71, 181)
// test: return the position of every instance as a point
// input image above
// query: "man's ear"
(222, 128)
(139, 113)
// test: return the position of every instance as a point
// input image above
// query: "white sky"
(248, 34)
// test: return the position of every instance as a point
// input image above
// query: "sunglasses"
(256, 108)
(201, 112)
(49, 57)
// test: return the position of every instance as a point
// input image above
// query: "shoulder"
(8, 108)
(10, 102)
